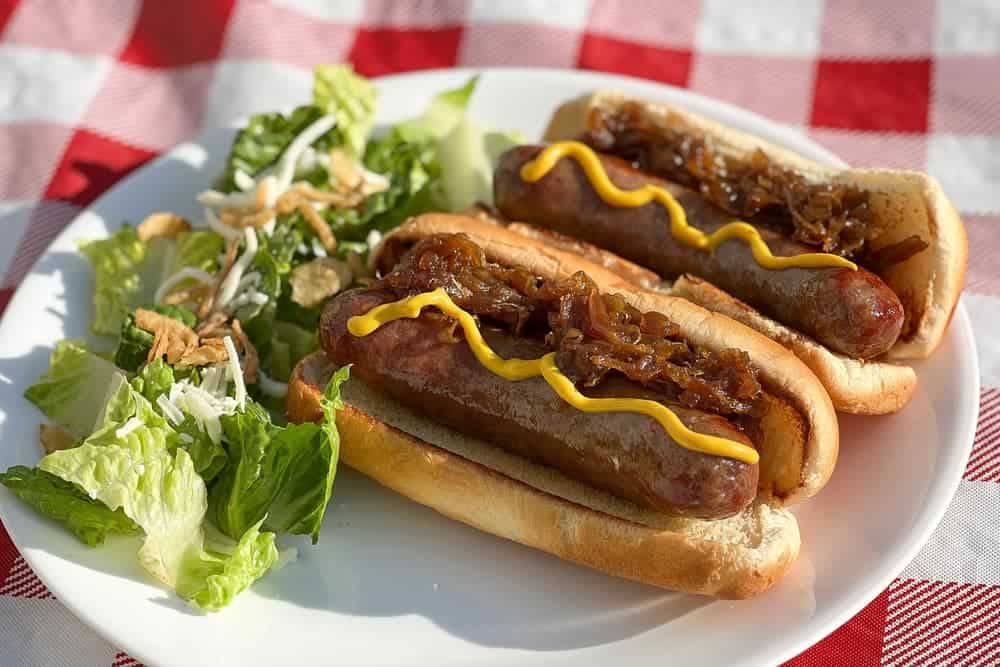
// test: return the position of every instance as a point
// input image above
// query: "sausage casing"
(851, 312)
(627, 454)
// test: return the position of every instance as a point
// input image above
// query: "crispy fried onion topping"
(162, 225)
(183, 346)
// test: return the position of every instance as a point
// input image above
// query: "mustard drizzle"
(679, 228)
(523, 369)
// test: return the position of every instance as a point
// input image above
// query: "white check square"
(760, 27)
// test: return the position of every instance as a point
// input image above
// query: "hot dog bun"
(904, 203)
(485, 487)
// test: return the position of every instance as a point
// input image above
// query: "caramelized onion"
(593, 334)
(834, 219)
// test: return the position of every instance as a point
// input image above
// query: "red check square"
(889, 96)
(173, 33)
(6, 11)
(857, 642)
(91, 164)
(649, 62)
(379, 51)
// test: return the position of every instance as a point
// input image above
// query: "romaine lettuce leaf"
(88, 519)
(445, 111)
(301, 342)
(338, 90)
(73, 390)
(208, 456)
(198, 249)
(127, 272)
(265, 137)
(212, 580)
(157, 489)
(285, 474)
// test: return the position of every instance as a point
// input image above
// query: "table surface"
(92, 90)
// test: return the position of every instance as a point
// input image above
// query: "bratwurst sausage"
(627, 454)
(851, 312)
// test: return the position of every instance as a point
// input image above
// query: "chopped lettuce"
(198, 249)
(208, 456)
(140, 471)
(127, 272)
(445, 111)
(88, 519)
(412, 169)
(338, 90)
(285, 474)
(134, 343)
(300, 343)
(72, 391)
(265, 137)
(157, 489)
(212, 580)
(153, 380)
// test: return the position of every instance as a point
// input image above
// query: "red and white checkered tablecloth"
(90, 90)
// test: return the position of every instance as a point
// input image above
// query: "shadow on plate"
(383, 555)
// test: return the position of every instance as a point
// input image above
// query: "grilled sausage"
(851, 312)
(627, 454)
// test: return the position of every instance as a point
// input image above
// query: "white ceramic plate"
(392, 582)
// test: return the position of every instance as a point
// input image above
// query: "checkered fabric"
(90, 90)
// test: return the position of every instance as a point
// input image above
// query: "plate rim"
(935, 507)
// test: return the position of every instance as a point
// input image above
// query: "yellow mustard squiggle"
(523, 369)
(680, 229)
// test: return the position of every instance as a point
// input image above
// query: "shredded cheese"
(216, 199)
(170, 411)
(132, 424)
(236, 372)
(244, 181)
(203, 277)
(229, 286)
(285, 172)
(268, 227)
(225, 231)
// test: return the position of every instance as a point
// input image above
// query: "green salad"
(169, 424)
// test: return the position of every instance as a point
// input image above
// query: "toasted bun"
(491, 489)
(480, 485)
(855, 386)
(904, 203)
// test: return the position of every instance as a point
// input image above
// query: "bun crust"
(486, 487)
(855, 386)
(904, 203)
(504, 495)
